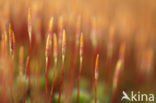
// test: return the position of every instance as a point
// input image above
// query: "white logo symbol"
(125, 96)
(137, 97)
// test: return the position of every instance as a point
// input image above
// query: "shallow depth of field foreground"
(77, 51)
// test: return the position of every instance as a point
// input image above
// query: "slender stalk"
(46, 76)
(30, 43)
(12, 50)
(78, 85)
(118, 69)
(94, 44)
(29, 26)
(26, 73)
(47, 56)
(11, 42)
(27, 69)
(95, 89)
(55, 66)
(21, 71)
(80, 69)
(62, 75)
(53, 80)
(96, 77)
(115, 80)
(63, 57)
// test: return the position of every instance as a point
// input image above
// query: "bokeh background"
(106, 25)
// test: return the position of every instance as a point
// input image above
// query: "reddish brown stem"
(11, 89)
(46, 84)
(30, 47)
(62, 75)
(26, 72)
(52, 86)
(25, 89)
(78, 84)
(96, 76)
(46, 76)
(95, 96)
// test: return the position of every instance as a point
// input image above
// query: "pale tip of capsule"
(55, 45)
(29, 15)
(81, 40)
(51, 23)
(64, 37)
(48, 44)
